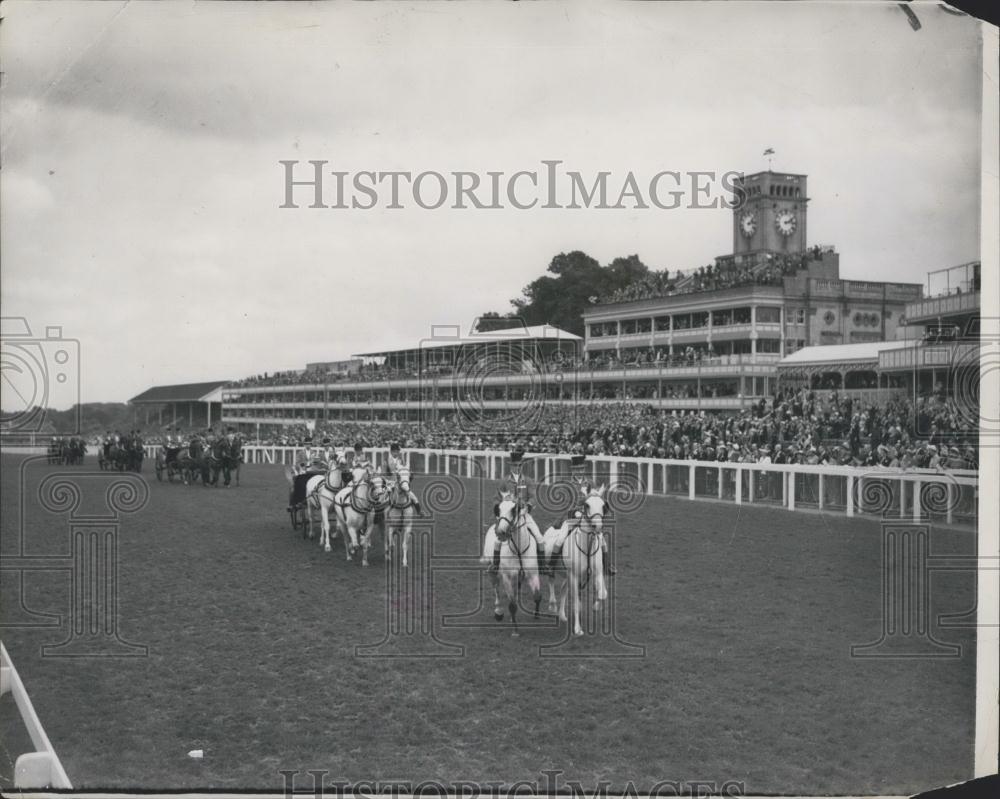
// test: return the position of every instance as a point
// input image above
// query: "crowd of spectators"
(638, 357)
(769, 271)
(793, 427)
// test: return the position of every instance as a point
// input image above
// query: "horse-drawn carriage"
(121, 453)
(67, 452)
(195, 461)
(362, 503)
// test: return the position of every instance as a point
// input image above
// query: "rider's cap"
(359, 447)
(517, 455)
(394, 447)
(326, 442)
(578, 460)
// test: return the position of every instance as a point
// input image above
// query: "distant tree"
(491, 320)
(574, 282)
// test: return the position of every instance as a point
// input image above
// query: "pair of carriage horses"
(67, 451)
(122, 454)
(197, 461)
(363, 503)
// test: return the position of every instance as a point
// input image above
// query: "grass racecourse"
(746, 616)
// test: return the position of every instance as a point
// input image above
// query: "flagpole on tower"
(769, 154)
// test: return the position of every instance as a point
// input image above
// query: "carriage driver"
(522, 488)
(391, 469)
(308, 464)
(360, 461)
(582, 482)
(310, 458)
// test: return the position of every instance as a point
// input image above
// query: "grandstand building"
(771, 296)
(717, 339)
(194, 405)
(937, 351)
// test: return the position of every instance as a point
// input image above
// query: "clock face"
(785, 223)
(748, 224)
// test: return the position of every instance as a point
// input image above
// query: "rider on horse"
(582, 483)
(522, 488)
(391, 469)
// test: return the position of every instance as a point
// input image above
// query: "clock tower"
(772, 217)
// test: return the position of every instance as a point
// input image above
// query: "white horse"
(581, 556)
(518, 557)
(321, 493)
(355, 507)
(399, 515)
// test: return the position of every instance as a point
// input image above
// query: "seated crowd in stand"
(640, 357)
(793, 427)
(712, 277)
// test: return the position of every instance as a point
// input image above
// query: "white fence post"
(546, 462)
(41, 768)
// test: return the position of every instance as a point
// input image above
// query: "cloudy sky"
(141, 143)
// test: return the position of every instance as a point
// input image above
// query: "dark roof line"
(180, 392)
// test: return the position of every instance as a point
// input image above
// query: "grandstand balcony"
(934, 309)
(938, 355)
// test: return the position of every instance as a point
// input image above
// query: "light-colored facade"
(715, 349)
(940, 351)
(789, 296)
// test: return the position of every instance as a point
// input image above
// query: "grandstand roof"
(841, 353)
(520, 333)
(182, 392)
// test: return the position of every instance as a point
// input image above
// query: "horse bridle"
(511, 521)
(592, 533)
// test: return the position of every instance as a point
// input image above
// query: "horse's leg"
(366, 541)
(551, 579)
(534, 577)
(513, 597)
(407, 535)
(390, 532)
(349, 539)
(577, 602)
(599, 582)
(324, 511)
(497, 607)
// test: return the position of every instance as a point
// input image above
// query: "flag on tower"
(768, 151)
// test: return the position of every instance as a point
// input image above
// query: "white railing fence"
(41, 768)
(919, 495)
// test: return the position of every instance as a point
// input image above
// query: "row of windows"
(723, 317)
(785, 191)
(458, 395)
(798, 317)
